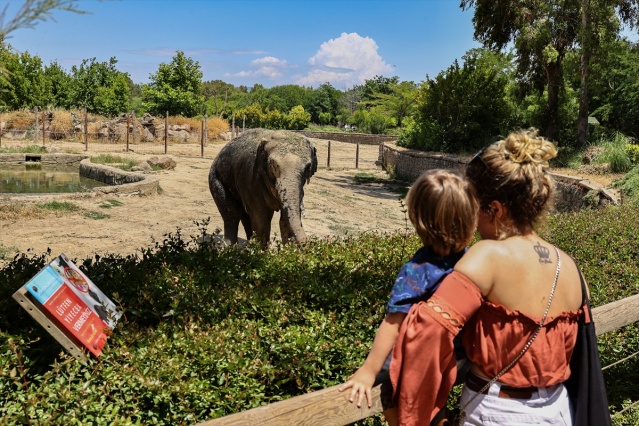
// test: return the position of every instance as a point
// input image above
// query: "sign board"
(70, 306)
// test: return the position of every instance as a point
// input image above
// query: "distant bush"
(615, 153)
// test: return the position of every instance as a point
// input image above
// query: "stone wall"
(572, 193)
(122, 182)
(48, 159)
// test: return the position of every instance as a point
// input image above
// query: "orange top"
(423, 369)
(495, 336)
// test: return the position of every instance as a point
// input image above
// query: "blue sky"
(270, 42)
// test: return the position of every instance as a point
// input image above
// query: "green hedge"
(210, 332)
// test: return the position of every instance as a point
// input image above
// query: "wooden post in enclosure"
(37, 127)
(202, 138)
(357, 156)
(1, 130)
(133, 129)
(233, 126)
(128, 122)
(86, 130)
(243, 123)
(166, 132)
(44, 142)
(328, 157)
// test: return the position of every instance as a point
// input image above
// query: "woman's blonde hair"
(443, 209)
(515, 172)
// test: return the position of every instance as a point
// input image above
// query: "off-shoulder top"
(423, 368)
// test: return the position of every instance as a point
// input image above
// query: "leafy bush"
(633, 153)
(615, 153)
(208, 332)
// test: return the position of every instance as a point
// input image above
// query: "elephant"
(258, 173)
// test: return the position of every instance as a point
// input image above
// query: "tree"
(59, 82)
(175, 88)
(464, 107)
(24, 85)
(30, 13)
(600, 25)
(322, 100)
(92, 83)
(399, 103)
(542, 32)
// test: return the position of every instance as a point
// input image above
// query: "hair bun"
(526, 147)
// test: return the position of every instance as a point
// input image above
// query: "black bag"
(586, 386)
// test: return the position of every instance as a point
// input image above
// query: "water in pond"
(43, 179)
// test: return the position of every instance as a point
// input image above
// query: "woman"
(501, 290)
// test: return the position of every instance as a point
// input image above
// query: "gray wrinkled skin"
(258, 173)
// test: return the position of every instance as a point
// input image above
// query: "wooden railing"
(330, 407)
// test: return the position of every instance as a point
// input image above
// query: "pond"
(43, 179)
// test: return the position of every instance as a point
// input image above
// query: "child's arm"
(362, 381)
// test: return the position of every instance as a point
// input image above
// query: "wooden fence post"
(86, 130)
(202, 138)
(133, 122)
(166, 132)
(37, 127)
(43, 133)
(328, 158)
(128, 122)
(357, 156)
(233, 126)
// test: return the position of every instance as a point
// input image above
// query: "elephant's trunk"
(291, 212)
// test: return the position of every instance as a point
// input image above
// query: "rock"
(590, 154)
(142, 167)
(164, 162)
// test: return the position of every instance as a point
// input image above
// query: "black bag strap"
(585, 300)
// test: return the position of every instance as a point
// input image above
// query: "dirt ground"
(336, 205)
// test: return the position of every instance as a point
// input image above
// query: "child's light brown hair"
(443, 208)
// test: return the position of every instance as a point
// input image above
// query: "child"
(443, 209)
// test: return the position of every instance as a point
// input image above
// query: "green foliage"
(615, 153)
(59, 206)
(629, 185)
(205, 333)
(463, 108)
(175, 88)
(95, 215)
(298, 118)
(633, 153)
(99, 87)
(208, 332)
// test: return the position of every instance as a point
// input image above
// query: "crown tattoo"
(543, 253)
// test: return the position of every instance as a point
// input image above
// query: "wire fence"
(128, 136)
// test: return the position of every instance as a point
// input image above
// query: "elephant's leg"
(230, 209)
(261, 221)
(246, 223)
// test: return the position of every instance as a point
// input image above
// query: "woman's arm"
(361, 383)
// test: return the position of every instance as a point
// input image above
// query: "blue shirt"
(419, 278)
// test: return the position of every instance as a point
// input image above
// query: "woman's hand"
(361, 384)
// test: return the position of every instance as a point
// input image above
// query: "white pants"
(547, 406)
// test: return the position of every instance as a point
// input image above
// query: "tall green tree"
(542, 32)
(25, 84)
(92, 82)
(324, 99)
(399, 103)
(464, 107)
(59, 82)
(176, 88)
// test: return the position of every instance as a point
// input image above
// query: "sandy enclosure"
(336, 205)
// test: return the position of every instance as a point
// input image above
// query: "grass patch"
(95, 215)
(364, 178)
(59, 206)
(6, 251)
(122, 163)
(615, 153)
(107, 204)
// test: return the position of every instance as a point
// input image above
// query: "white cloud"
(268, 66)
(347, 60)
